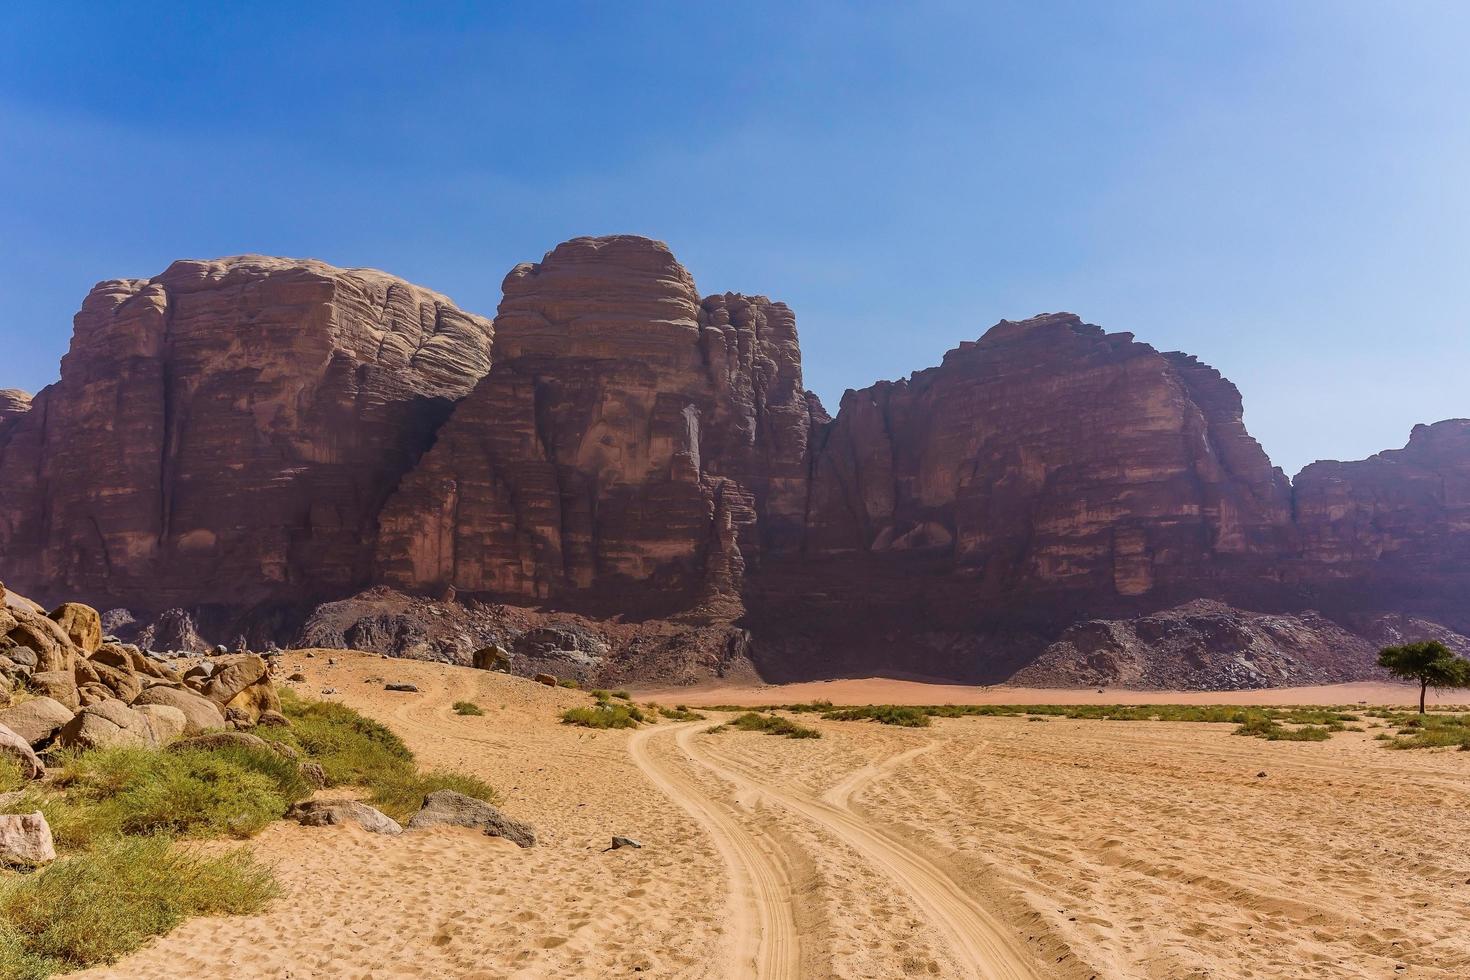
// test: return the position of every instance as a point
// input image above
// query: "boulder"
(82, 625)
(255, 700)
(43, 637)
(123, 683)
(272, 719)
(130, 658)
(331, 813)
(446, 808)
(200, 713)
(20, 750)
(230, 677)
(220, 740)
(167, 722)
(411, 688)
(548, 679)
(36, 720)
(93, 693)
(25, 840)
(314, 774)
(493, 657)
(111, 722)
(59, 685)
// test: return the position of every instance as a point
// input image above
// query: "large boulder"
(82, 624)
(220, 740)
(36, 720)
(200, 713)
(331, 813)
(58, 685)
(130, 658)
(111, 722)
(44, 637)
(25, 840)
(20, 750)
(446, 808)
(122, 682)
(230, 677)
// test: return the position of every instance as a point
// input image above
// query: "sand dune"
(984, 847)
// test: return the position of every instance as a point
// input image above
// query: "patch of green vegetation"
(753, 721)
(352, 750)
(233, 791)
(605, 715)
(569, 683)
(903, 716)
(680, 713)
(98, 906)
(11, 777)
(467, 708)
(622, 695)
(1432, 730)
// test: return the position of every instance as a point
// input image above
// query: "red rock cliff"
(632, 443)
(225, 432)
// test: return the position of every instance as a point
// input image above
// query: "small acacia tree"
(1429, 662)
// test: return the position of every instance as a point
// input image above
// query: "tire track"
(762, 923)
(985, 947)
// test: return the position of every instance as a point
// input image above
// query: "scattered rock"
(36, 720)
(618, 842)
(401, 687)
(329, 690)
(272, 719)
(547, 679)
(1261, 774)
(25, 840)
(297, 677)
(445, 807)
(332, 813)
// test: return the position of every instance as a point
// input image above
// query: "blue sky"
(1280, 188)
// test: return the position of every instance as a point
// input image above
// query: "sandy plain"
(978, 847)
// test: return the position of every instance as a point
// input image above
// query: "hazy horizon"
(1277, 190)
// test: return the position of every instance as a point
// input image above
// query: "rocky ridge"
(619, 478)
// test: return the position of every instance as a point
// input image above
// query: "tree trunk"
(1423, 687)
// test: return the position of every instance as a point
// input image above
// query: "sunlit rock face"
(632, 442)
(226, 431)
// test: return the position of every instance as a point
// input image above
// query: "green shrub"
(569, 683)
(11, 777)
(885, 714)
(467, 708)
(772, 725)
(623, 695)
(604, 715)
(351, 749)
(196, 792)
(680, 713)
(98, 906)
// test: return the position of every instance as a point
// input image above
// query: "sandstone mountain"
(634, 476)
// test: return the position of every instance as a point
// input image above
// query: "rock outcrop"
(635, 484)
(13, 404)
(1205, 646)
(632, 443)
(226, 431)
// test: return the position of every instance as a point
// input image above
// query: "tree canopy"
(1429, 662)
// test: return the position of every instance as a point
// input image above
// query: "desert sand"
(979, 847)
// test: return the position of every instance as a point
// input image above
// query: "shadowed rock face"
(225, 432)
(632, 442)
(1393, 530)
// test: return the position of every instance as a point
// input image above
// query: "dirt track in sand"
(989, 847)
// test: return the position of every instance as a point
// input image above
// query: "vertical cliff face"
(1050, 455)
(630, 443)
(226, 431)
(13, 404)
(1395, 526)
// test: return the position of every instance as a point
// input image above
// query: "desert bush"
(605, 715)
(231, 791)
(569, 683)
(753, 721)
(467, 708)
(680, 713)
(351, 749)
(98, 906)
(622, 695)
(903, 716)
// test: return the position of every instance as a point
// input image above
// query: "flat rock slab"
(446, 808)
(335, 813)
